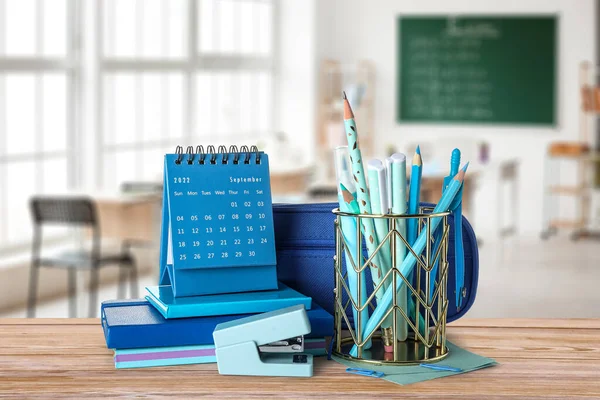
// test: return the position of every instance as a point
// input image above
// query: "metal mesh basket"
(424, 310)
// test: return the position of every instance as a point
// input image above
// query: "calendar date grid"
(241, 232)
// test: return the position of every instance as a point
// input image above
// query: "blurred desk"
(505, 173)
(132, 217)
(290, 181)
(129, 217)
(432, 181)
(431, 189)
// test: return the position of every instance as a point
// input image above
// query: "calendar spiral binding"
(212, 154)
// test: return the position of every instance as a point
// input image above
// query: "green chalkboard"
(477, 69)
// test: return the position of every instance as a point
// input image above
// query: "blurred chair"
(75, 212)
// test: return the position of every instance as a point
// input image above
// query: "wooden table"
(538, 359)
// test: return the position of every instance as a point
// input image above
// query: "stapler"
(268, 344)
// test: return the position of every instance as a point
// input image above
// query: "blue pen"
(365, 372)
(438, 367)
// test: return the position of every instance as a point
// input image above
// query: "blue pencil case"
(305, 243)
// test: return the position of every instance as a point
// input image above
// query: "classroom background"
(93, 94)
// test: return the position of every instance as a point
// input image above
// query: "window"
(38, 75)
(180, 72)
(168, 72)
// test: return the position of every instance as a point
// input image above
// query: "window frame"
(189, 65)
(37, 66)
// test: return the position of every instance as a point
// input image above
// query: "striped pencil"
(364, 203)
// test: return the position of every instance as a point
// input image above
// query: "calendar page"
(219, 213)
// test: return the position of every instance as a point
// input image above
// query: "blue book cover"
(132, 324)
(169, 306)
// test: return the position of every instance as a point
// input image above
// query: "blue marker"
(437, 367)
(365, 372)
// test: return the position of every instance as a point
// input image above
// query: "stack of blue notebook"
(142, 337)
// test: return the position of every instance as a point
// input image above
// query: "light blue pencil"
(348, 204)
(409, 262)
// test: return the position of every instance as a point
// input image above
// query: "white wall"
(296, 77)
(350, 30)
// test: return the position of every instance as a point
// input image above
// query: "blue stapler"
(268, 344)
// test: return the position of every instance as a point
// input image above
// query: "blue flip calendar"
(217, 222)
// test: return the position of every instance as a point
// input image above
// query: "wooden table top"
(549, 358)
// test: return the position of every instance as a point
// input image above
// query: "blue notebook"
(130, 324)
(185, 355)
(217, 222)
(169, 306)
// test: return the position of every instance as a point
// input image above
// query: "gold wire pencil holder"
(425, 322)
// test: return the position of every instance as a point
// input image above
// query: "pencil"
(414, 196)
(352, 253)
(364, 204)
(412, 224)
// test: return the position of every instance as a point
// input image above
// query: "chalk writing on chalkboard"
(476, 69)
